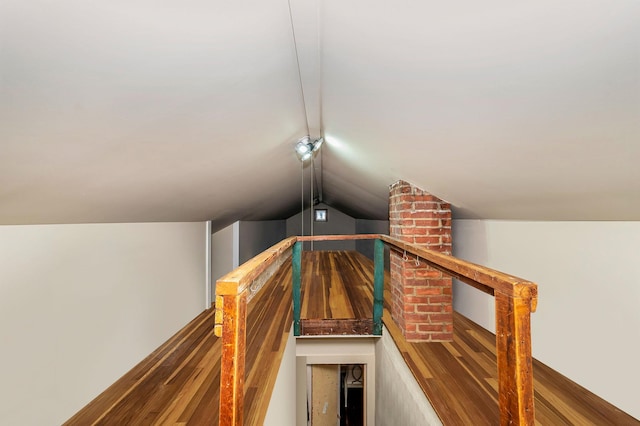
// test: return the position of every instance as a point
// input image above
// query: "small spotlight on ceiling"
(317, 144)
(305, 147)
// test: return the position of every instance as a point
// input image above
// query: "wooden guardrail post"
(232, 296)
(513, 351)
(297, 279)
(233, 330)
(378, 286)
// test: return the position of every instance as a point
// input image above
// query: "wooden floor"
(179, 382)
(336, 293)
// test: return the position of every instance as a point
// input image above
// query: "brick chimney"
(421, 296)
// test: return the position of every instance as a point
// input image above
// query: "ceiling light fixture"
(305, 148)
(317, 144)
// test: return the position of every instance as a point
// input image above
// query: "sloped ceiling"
(143, 111)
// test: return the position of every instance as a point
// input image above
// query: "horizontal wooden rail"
(515, 300)
(238, 280)
(339, 237)
(487, 279)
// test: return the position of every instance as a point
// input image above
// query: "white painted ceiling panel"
(177, 111)
(515, 111)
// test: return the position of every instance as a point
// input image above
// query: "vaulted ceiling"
(137, 111)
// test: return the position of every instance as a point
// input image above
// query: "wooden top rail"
(339, 237)
(483, 278)
(238, 280)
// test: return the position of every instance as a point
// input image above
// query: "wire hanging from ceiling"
(295, 48)
(306, 147)
(304, 108)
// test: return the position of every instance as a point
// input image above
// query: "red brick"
(428, 291)
(440, 318)
(420, 215)
(427, 308)
(402, 206)
(418, 318)
(421, 240)
(426, 204)
(417, 299)
(428, 273)
(443, 282)
(432, 232)
(441, 214)
(428, 222)
(439, 299)
(414, 337)
(408, 273)
(409, 291)
(428, 328)
(415, 282)
(441, 337)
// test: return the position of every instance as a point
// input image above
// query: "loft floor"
(336, 294)
(178, 383)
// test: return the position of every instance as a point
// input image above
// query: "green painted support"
(378, 286)
(297, 277)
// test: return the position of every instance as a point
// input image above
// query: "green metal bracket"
(378, 286)
(297, 277)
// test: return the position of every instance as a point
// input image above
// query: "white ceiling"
(135, 111)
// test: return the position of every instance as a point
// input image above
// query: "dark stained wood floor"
(178, 383)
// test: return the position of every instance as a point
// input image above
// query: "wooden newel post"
(515, 370)
(232, 362)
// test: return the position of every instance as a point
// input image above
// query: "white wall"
(257, 236)
(225, 251)
(82, 304)
(365, 247)
(281, 411)
(399, 398)
(338, 224)
(587, 325)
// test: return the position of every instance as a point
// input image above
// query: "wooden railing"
(233, 292)
(515, 300)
